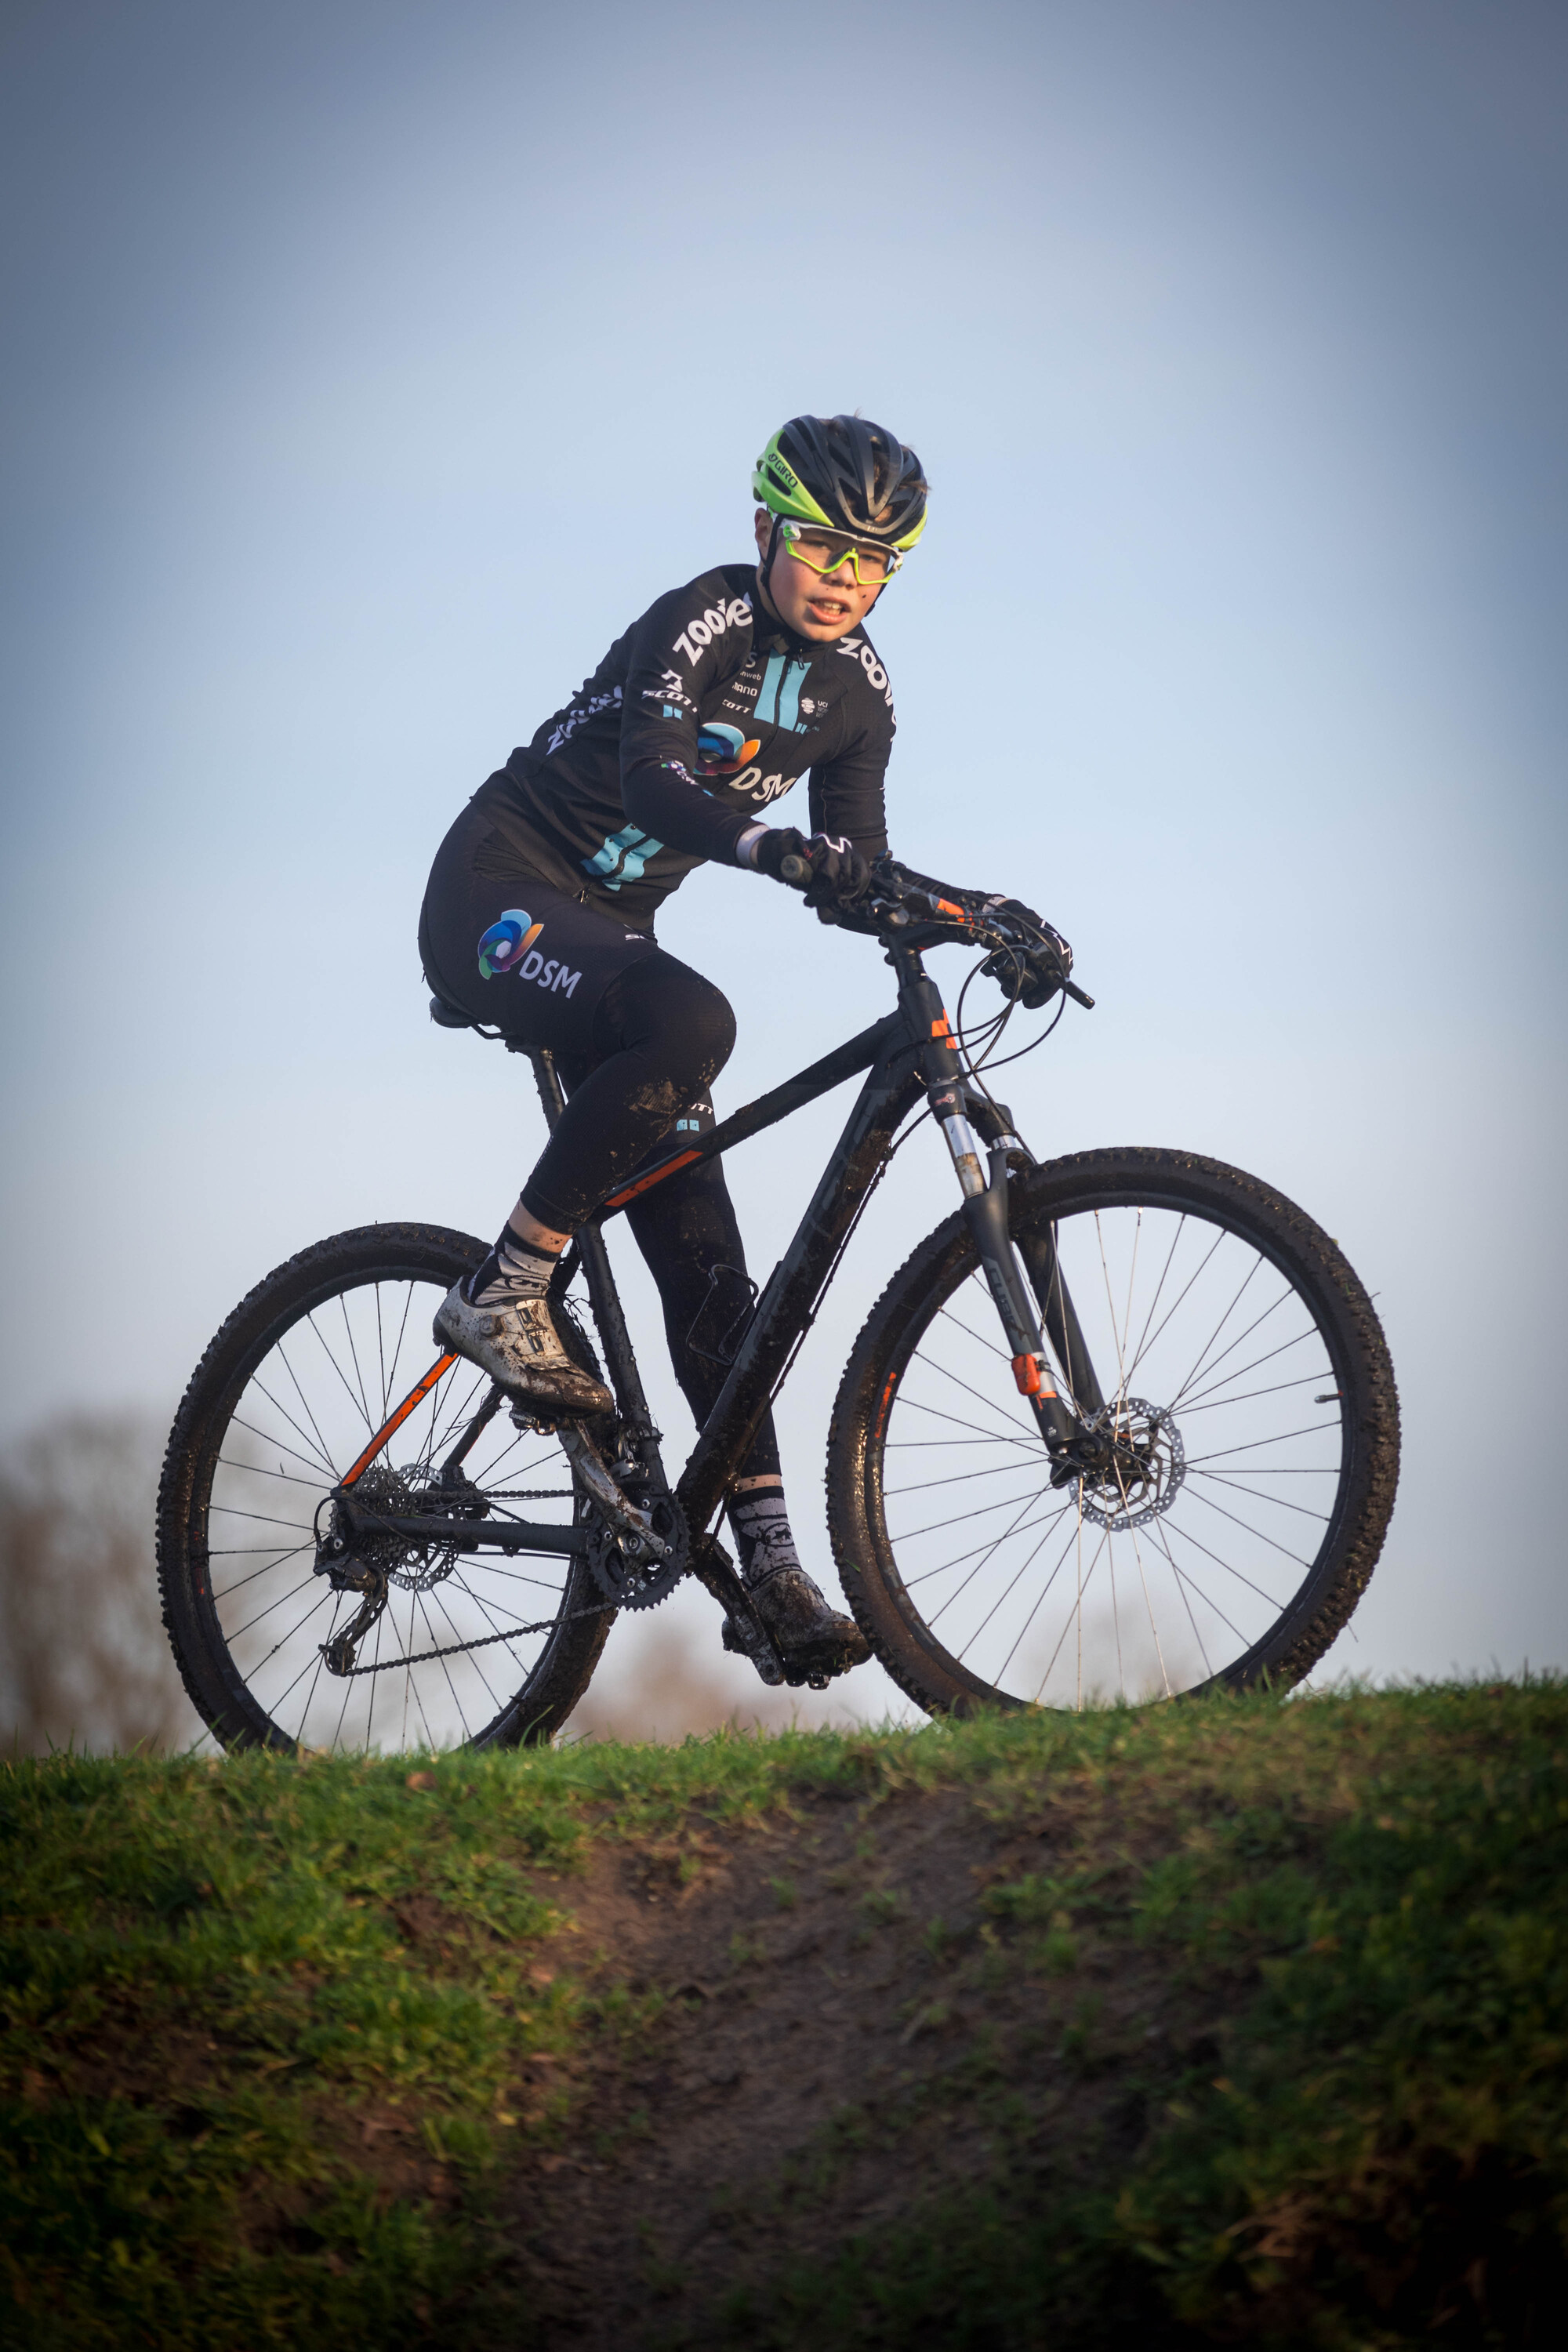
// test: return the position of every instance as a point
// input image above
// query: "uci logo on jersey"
(507, 946)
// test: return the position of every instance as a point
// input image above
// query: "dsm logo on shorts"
(506, 943)
(507, 946)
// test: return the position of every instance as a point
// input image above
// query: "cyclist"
(540, 911)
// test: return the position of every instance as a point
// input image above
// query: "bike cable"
(989, 1035)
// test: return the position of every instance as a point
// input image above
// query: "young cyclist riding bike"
(1124, 1425)
(539, 916)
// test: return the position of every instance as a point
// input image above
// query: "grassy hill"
(1230, 2021)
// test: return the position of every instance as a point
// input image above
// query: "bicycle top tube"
(847, 1061)
(907, 912)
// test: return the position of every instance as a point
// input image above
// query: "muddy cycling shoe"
(809, 1636)
(518, 1344)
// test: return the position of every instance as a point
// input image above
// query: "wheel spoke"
(1275, 1502)
(986, 1436)
(1044, 1592)
(978, 1394)
(1158, 1289)
(1217, 1404)
(1245, 1284)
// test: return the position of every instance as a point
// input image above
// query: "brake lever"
(1021, 948)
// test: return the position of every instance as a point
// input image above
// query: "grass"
(275, 2033)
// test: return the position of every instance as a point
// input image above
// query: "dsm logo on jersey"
(724, 751)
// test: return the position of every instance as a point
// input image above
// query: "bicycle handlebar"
(892, 903)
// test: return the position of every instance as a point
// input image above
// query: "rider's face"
(814, 606)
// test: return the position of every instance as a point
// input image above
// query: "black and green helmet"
(847, 473)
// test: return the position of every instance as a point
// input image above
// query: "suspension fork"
(1037, 1245)
(1038, 1248)
(985, 1189)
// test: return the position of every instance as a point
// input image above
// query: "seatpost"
(985, 1191)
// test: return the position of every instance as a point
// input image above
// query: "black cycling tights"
(661, 1035)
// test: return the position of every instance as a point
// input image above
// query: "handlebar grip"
(794, 870)
(1078, 997)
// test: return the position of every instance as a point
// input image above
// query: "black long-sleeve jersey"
(703, 713)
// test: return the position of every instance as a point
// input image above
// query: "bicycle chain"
(485, 1642)
(488, 1641)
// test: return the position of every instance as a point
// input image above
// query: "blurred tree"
(83, 1656)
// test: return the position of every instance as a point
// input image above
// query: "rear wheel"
(300, 1376)
(1248, 1387)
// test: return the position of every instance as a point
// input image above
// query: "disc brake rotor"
(1143, 1473)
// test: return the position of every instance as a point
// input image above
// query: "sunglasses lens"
(824, 552)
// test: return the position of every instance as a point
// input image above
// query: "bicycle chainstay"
(608, 1606)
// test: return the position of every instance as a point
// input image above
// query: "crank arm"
(602, 1491)
(745, 1632)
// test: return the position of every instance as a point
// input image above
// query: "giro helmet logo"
(507, 943)
(724, 751)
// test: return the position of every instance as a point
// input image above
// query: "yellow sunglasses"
(825, 552)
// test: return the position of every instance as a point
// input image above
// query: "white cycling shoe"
(517, 1345)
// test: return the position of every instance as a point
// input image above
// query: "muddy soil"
(847, 2031)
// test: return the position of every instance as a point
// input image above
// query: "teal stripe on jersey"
(789, 694)
(768, 692)
(622, 856)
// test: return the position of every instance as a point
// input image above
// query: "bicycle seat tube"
(789, 1300)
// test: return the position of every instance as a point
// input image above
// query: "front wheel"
(1242, 1365)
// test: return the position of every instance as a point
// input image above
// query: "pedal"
(763, 1656)
(806, 1678)
(744, 1634)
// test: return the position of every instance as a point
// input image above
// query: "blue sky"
(369, 368)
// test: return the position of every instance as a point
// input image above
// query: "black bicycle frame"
(909, 1052)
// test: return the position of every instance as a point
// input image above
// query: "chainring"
(640, 1583)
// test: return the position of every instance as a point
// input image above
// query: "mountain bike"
(1123, 1427)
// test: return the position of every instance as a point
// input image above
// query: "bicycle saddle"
(451, 1016)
